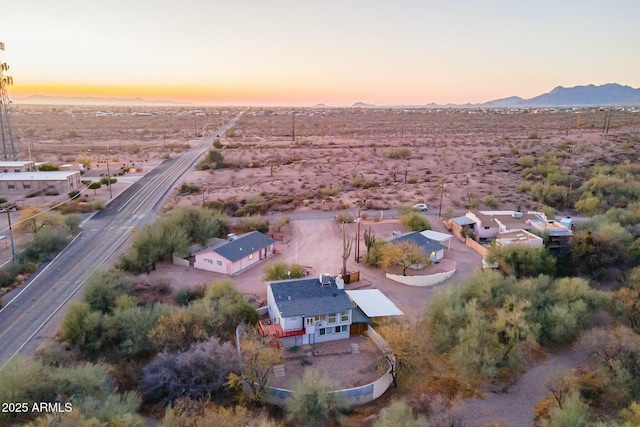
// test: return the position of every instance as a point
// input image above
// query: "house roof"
(463, 220)
(243, 246)
(419, 240)
(38, 176)
(307, 297)
(374, 303)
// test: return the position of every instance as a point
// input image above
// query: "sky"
(305, 52)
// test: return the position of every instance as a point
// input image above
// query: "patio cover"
(437, 236)
(374, 303)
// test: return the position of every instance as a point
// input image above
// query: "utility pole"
(108, 173)
(441, 197)
(13, 249)
(293, 126)
(8, 144)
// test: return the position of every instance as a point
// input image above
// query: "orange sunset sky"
(272, 52)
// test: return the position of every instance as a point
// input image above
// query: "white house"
(309, 310)
(235, 254)
(21, 183)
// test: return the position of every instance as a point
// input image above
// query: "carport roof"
(463, 220)
(374, 303)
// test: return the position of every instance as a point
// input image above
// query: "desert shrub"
(218, 313)
(253, 223)
(485, 322)
(73, 194)
(526, 161)
(523, 261)
(310, 402)
(398, 153)
(48, 167)
(400, 414)
(184, 296)
(490, 201)
(415, 221)
(282, 270)
(186, 188)
(44, 244)
(574, 412)
(98, 205)
(108, 180)
(200, 371)
(213, 160)
(187, 412)
(602, 249)
(104, 287)
(73, 222)
(28, 380)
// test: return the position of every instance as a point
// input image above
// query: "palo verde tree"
(258, 357)
(404, 255)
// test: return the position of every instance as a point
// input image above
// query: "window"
(332, 318)
(323, 331)
(320, 318)
(337, 329)
(345, 328)
(344, 317)
(11, 186)
(27, 186)
(309, 321)
(219, 262)
(208, 261)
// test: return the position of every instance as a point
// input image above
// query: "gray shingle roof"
(307, 297)
(419, 240)
(243, 246)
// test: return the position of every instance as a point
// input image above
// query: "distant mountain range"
(89, 100)
(604, 95)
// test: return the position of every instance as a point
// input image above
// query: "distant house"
(310, 310)
(22, 183)
(487, 225)
(18, 166)
(235, 254)
(519, 237)
(433, 249)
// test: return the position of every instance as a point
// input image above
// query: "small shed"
(438, 237)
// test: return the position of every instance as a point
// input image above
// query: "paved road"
(39, 302)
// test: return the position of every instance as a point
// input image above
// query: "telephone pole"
(9, 148)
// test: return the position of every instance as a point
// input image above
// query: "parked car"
(420, 207)
(11, 206)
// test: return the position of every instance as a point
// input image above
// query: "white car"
(419, 207)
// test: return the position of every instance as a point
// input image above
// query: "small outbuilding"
(236, 254)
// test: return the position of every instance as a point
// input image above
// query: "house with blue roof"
(310, 310)
(235, 254)
(434, 250)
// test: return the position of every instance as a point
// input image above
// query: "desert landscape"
(284, 159)
(289, 162)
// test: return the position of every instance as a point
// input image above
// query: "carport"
(374, 303)
(438, 237)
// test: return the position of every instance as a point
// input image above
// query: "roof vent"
(517, 214)
(325, 279)
(231, 237)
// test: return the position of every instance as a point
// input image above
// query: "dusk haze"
(304, 53)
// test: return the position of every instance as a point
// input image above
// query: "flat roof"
(436, 235)
(374, 303)
(37, 176)
(463, 220)
(15, 162)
